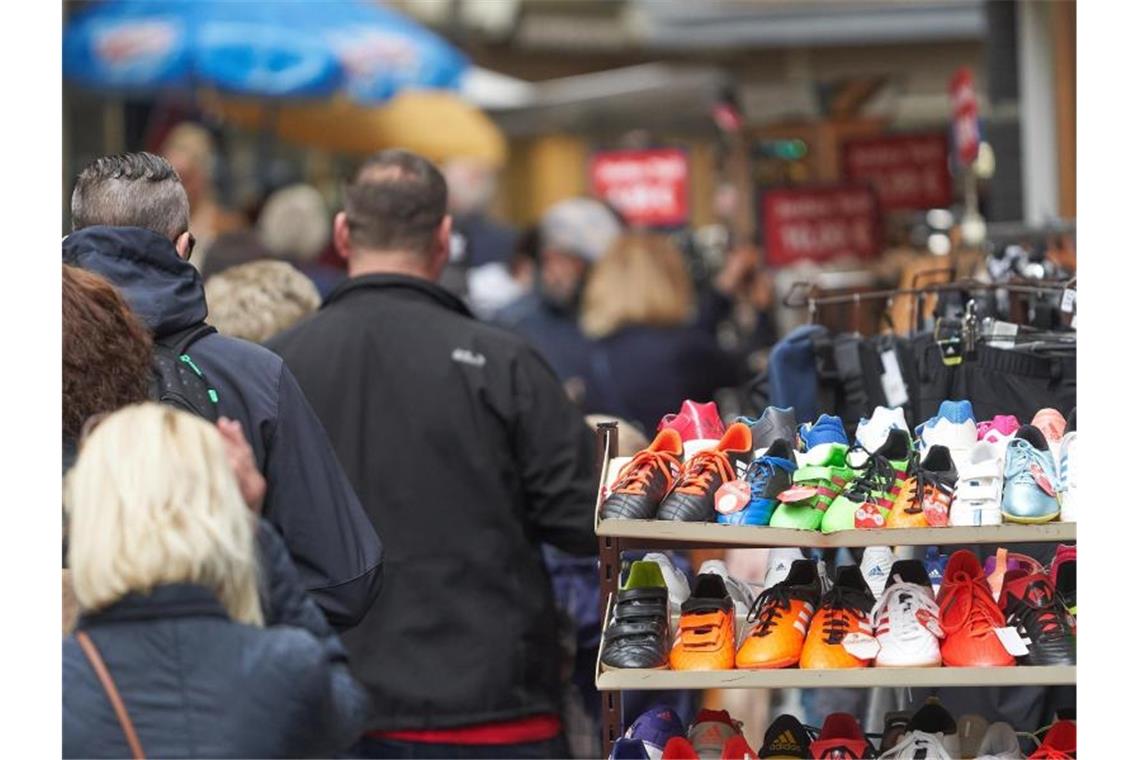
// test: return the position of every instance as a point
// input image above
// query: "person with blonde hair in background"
(295, 226)
(258, 300)
(170, 656)
(647, 356)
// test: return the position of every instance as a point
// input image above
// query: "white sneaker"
(872, 433)
(1068, 490)
(675, 580)
(742, 593)
(780, 564)
(904, 640)
(1000, 743)
(876, 567)
(916, 745)
(953, 427)
(977, 496)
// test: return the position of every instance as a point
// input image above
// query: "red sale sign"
(967, 135)
(649, 187)
(819, 224)
(907, 171)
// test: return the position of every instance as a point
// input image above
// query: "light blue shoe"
(1030, 493)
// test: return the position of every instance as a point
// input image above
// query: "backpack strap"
(104, 675)
(180, 341)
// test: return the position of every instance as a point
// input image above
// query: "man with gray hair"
(573, 235)
(130, 217)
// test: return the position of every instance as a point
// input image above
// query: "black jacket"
(197, 684)
(309, 500)
(466, 454)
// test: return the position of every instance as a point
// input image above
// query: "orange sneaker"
(781, 615)
(644, 481)
(706, 634)
(845, 609)
(693, 497)
(926, 495)
(969, 616)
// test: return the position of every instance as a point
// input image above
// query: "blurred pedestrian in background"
(258, 300)
(295, 225)
(189, 148)
(170, 657)
(572, 236)
(639, 307)
(467, 454)
(131, 217)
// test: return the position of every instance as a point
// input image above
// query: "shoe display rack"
(617, 536)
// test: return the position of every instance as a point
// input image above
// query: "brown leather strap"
(112, 693)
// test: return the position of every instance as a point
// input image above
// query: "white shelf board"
(785, 678)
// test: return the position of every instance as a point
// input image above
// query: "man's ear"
(342, 240)
(182, 245)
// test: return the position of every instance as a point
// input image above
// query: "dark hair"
(396, 201)
(131, 190)
(106, 350)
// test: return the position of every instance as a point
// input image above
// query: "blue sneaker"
(629, 749)
(818, 441)
(751, 499)
(953, 427)
(654, 728)
(935, 565)
(1030, 493)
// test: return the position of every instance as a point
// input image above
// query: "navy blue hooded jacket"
(309, 499)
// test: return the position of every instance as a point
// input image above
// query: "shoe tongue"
(909, 571)
(780, 449)
(1034, 588)
(933, 718)
(1034, 436)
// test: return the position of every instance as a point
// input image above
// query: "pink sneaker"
(998, 430)
(700, 425)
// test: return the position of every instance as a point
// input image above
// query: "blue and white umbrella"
(282, 49)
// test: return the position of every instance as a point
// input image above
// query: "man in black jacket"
(467, 454)
(131, 215)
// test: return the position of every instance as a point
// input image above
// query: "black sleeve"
(555, 451)
(712, 308)
(283, 600)
(310, 501)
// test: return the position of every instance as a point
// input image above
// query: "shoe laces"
(634, 477)
(770, 605)
(904, 611)
(841, 607)
(758, 474)
(699, 471)
(968, 604)
(1022, 458)
(876, 475)
(1043, 614)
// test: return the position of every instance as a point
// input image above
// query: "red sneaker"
(679, 748)
(1060, 743)
(970, 616)
(841, 739)
(695, 422)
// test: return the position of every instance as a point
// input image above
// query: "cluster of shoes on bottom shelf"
(766, 472)
(887, 614)
(930, 733)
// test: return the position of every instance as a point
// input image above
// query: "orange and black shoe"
(706, 633)
(926, 495)
(693, 497)
(845, 609)
(645, 479)
(780, 617)
(970, 616)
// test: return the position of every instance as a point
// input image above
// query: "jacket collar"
(171, 600)
(162, 288)
(416, 287)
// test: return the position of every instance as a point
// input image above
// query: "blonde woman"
(639, 308)
(258, 300)
(171, 656)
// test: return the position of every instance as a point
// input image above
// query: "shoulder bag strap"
(112, 693)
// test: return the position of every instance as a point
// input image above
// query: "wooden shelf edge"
(735, 535)
(1021, 675)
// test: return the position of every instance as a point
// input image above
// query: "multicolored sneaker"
(655, 727)
(871, 433)
(841, 739)
(1032, 606)
(750, 500)
(693, 497)
(1030, 492)
(970, 617)
(775, 423)
(953, 427)
(1063, 574)
(786, 737)
(977, 496)
(868, 498)
(814, 488)
(844, 610)
(819, 440)
(706, 632)
(1067, 494)
(926, 496)
(700, 425)
(780, 617)
(711, 732)
(645, 479)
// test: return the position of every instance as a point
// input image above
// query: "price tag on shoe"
(1068, 300)
(861, 645)
(1012, 641)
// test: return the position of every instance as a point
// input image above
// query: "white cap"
(579, 226)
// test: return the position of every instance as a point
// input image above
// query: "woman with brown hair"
(639, 308)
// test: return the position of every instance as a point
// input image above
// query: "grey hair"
(131, 190)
